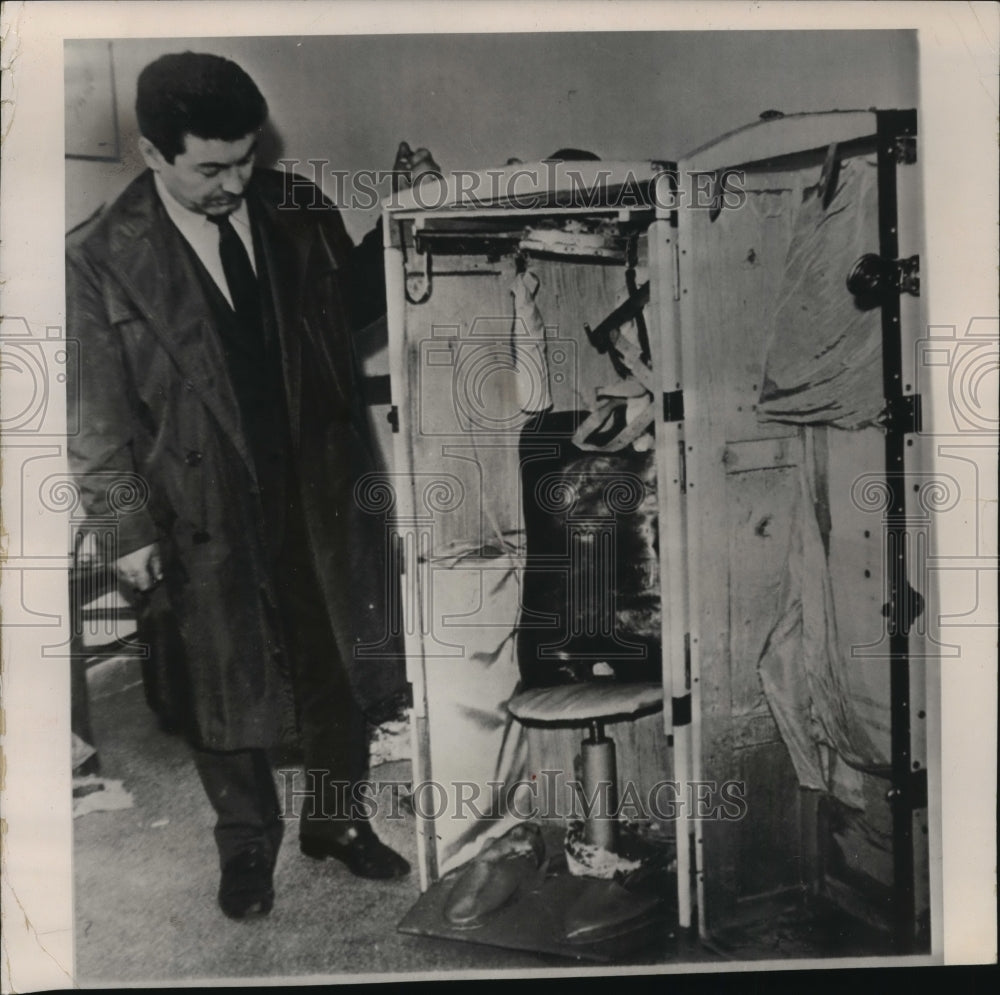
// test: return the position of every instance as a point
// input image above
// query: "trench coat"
(161, 453)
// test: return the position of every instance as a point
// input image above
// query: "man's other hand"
(410, 166)
(141, 569)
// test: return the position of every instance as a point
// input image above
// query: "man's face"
(209, 176)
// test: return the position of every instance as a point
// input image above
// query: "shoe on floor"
(247, 888)
(360, 849)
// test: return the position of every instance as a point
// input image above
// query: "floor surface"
(146, 879)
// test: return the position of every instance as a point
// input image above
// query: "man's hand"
(141, 569)
(410, 166)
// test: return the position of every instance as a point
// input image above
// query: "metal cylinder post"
(600, 788)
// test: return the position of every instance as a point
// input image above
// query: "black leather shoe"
(360, 849)
(246, 888)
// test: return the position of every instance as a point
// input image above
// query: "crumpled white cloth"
(528, 346)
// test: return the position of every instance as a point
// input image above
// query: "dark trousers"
(240, 784)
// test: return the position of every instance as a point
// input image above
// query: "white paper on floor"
(391, 741)
(98, 794)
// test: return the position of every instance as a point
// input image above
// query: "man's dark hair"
(193, 93)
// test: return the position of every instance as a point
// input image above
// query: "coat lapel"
(149, 256)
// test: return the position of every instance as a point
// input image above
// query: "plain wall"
(477, 100)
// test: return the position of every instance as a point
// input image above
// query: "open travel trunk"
(766, 290)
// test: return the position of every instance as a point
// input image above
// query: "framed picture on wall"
(91, 108)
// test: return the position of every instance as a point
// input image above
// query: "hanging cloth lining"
(802, 670)
(624, 410)
(823, 354)
(528, 352)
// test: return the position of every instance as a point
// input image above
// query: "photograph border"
(958, 104)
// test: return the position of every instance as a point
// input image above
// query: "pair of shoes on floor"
(360, 849)
(247, 886)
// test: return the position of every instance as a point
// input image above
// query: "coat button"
(200, 537)
(193, 458)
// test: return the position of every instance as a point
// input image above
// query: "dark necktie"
(239, 272)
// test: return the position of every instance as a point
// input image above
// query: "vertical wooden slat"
(403, 466)
(694, 462)
(670, 438)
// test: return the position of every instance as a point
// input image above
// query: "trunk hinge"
(680, 708)
(673, 411)
(673, 405)
(903, 414)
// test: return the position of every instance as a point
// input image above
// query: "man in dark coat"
(223, 433)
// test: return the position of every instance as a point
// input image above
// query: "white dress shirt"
(203, 236)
